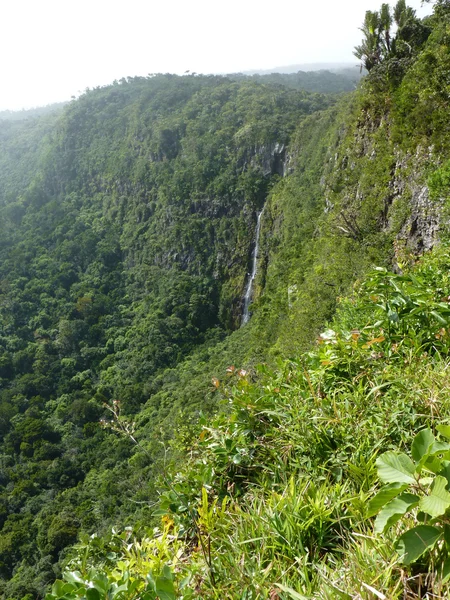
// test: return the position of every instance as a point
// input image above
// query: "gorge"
(224, 321)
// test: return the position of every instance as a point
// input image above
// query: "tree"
(385, 27)
(402, 13)
(411, 32)
(369, 50)
(378, 45)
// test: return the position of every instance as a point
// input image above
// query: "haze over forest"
(58, 50)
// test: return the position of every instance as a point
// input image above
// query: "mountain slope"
(135, 235)
(127, 228)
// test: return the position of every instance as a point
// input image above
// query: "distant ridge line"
(325, 66)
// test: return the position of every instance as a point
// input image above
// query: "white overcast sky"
(52, 49)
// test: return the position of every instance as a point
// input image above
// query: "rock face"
(421, 227)
(421, 230)
(274, 160)
(374, 185)
(271, 159)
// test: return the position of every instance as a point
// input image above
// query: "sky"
(53, 49)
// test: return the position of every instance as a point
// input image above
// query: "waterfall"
(252, 275)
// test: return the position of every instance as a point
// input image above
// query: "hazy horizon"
(282, 69)
(59, 51)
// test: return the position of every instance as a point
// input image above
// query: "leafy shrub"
(417, 492)
(125, 568)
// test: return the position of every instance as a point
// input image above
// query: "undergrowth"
(272, 497)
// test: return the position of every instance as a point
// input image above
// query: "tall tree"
(378, 44)
(400, 13)
(385, 27)
(369, 51)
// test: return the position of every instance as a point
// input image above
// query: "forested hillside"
(323, 81)
(127, 230)
(232, 461)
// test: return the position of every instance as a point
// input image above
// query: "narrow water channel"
(252, 275)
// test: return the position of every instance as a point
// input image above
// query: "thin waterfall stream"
(249, 288)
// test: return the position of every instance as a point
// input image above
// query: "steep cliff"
(368, 186)
(127, 226)
(127, 232)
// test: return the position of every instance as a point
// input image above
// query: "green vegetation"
(150, 447)
(324, 82)
(31, 113)
(126, 231)
(277, 494)
(379, 46)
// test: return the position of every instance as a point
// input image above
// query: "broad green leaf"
(394, 467)
(422, 443)
(439, 317)
(101, 583)
(433, 464)
(73, 577)
(134, 586)
(394, 511)
(185, 582)
(58, 588)
(167, 571)
(385, 495)
(439, 448)
(444, 430)
(413, 543)
(421, 447)
(165, 589)
(438, 501)
(70, 587)
(117, 590)
(151, 582)
(92, 594)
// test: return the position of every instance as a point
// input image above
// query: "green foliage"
(412, 306)
(324, 82)
(273, 494)
(427, 478)
(380, 47)
(127, 224)
(123, 567)
(439, 182)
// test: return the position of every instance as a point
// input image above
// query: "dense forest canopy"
(323, 81)
(127, 222)
(129, 391)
